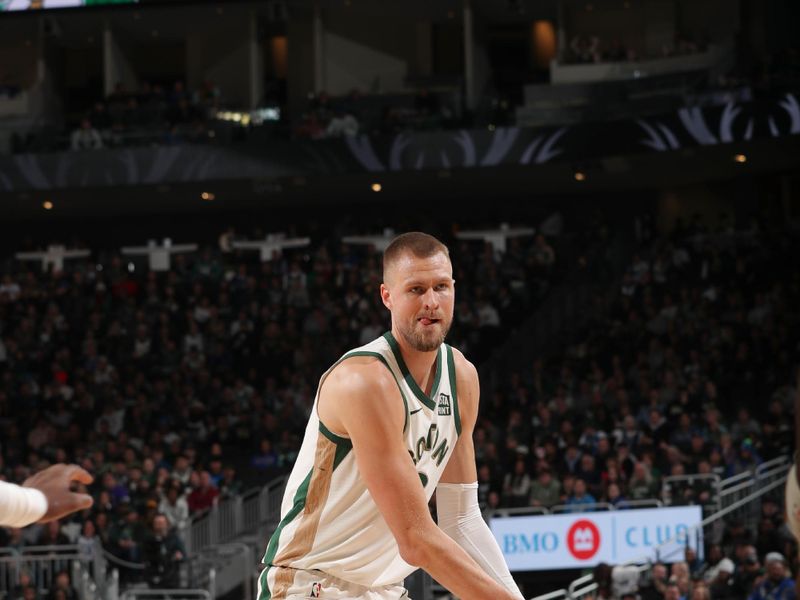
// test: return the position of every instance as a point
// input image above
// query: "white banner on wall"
(572, 541)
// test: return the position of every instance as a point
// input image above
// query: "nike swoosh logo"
(415, 411)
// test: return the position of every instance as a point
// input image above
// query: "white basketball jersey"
(329, 521)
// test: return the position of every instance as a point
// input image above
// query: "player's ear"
(386, 296)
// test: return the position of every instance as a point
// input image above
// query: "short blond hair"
(417, 243)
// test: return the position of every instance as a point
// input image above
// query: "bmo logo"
(583, 539)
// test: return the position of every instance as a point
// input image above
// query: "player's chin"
(435, 332)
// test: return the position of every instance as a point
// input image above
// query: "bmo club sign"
(573, 541)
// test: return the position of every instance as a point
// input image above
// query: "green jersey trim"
(336, 439)
(298, 504)
(343, 445)
(265, 593)
(421, 396)
(451, 371)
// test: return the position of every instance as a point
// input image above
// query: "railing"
(634, 504)
(171, 594)
(580, 508)
(251, 513)
(233, 517)
(208, 533)
(518, 512)
(581, 587)
(731, 493)
(84, 584)
(673, 482)
(771, 470)
(556, 595)
(570, 508)
(44, 563)
(740, 494)
(9, 568)
(233, 565)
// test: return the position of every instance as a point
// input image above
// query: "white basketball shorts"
(279, 583)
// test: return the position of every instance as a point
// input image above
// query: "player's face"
(420, 293)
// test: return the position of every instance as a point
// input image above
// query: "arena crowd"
(690, 369)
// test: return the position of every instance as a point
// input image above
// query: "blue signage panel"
(572, 541)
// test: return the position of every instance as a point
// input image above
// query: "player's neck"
(421, 365)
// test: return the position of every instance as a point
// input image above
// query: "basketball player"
(43, 497)
(793, 480)
(391, 422)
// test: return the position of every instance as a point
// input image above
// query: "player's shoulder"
(360, 392)
(360, 375)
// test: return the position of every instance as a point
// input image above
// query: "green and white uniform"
(329, 521)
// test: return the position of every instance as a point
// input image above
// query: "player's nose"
(430, 299)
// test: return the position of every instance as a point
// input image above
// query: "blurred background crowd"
(176, 389)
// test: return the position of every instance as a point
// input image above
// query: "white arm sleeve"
(20, 506)
(460, 518)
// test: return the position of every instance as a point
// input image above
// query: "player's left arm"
(457, 493)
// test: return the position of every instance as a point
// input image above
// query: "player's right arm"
(43, 497)
(360, 400)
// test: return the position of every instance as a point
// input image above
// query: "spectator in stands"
(24, 582)
(174, 506)
(740, 538)
(86, 137)
(769, 537)
(720, 583)
(265, 459)
(614, 496)
(627, 437)
(695, 565)
(163, 553)
(230, 485)
(617, 581)
(641, 485)
(700, 591)
(204, 495)
(680, 575)
(30, 592)
(571, 458)
(62, 588)
(182, 471)
(745, 426)
(126, 535)
(653, 588)
(777, 585)
(672, 591)
(87, 540)
(588, 472)
(52, 536)
(747, 459)
(546, 489)
(517, 485)
(748, 571)
(580, 497)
